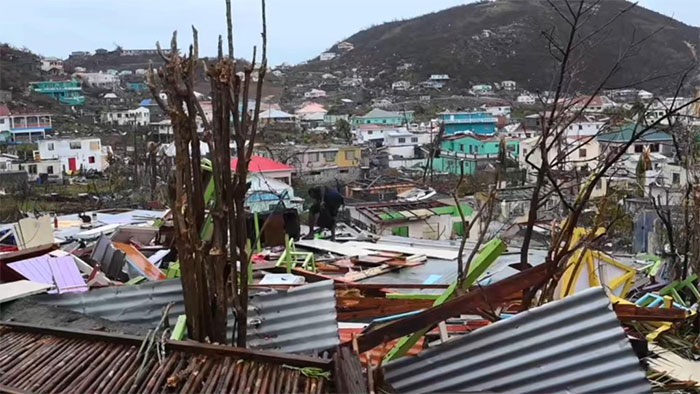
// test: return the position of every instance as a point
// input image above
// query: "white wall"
(140, 116)
(87, 153)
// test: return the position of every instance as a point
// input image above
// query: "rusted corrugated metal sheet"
(573, 345)
(376, 354)
(82, 363)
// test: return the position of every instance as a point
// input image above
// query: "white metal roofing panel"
(573, 345)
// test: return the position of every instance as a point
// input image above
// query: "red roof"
(262, 164)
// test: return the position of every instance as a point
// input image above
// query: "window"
(329, 156)
(49, 146)
(524, 151)
(313, 157)
(461, 147)
(638, 148)
(349, 155)
(94, 145)
(414, 139)
(582, 153)
(49, 170)
(400, 231)
(91, 159)
(654, 148)
(2, 121)
(676, 178)
(471, 149)
(402, 140)
(369, 132)
(343, 171)
(580, 127)
(32, 169)
(3, 166)
(75, 145)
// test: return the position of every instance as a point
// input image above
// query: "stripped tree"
(212, 249)
(554, 149)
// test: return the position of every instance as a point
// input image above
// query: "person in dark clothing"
(324, 209)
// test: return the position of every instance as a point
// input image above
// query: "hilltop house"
(325, 56)
(422, 219)
(482, 89)
(23, 127)
(595, 104)
(315, 93)
(52, 65)
(345, 46)
(381, 117)
(472, 151)
(401, 85)
(276, 116)
(76, 154)
(99, 80)
(644, 95)
(140, 116)
(509, 85)
(477, 122)
(526, 99)
(497, 110)
(403, 148)
(65, 92)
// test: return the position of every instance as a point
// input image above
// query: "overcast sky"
(298, 29)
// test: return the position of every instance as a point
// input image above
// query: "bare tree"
(214, 268)
(555, 147)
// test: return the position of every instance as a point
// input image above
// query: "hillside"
(502, 40)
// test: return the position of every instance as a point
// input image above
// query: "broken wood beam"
(629, 312)
(481, 298)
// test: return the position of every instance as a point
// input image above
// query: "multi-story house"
(381, 117)
(23, 127)
(481, 122)
(473, 152)
(66, 92)
(140, 116)
(52, 65)
(100, 80)
(656, 141)
(320, 164)
(76, 154)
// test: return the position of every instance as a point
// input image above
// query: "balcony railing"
(25, 126)
(470, 121)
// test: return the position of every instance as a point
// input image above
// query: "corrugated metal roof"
(302, 320)
(43, 360)
(298, 320)
(572, 345)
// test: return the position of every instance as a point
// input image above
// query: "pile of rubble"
(363, 314)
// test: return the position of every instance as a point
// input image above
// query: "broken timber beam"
(480, 298)
(627, 312)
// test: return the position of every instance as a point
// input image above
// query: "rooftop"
(262, 164)
(398, 211)
(625, 134)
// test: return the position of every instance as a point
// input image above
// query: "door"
(72, 164)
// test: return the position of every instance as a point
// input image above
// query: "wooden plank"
(463, 304)
(629, 312)
(20, 289)
(381, 270)
(343, 249)
(140, 262)
(381, 286)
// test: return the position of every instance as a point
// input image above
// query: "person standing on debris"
(324, 210)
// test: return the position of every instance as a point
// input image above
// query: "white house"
(497, 110)
(36, 168)
(526, 99)
(509, 85)
(345, 46)
(401, 85)
(325, 56)
(52, 65)
(75, 154)
(140, 116)
(644, 95)
(315, 93)
(482, 89)
(100, 80)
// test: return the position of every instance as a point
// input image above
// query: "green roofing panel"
(385, 216)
